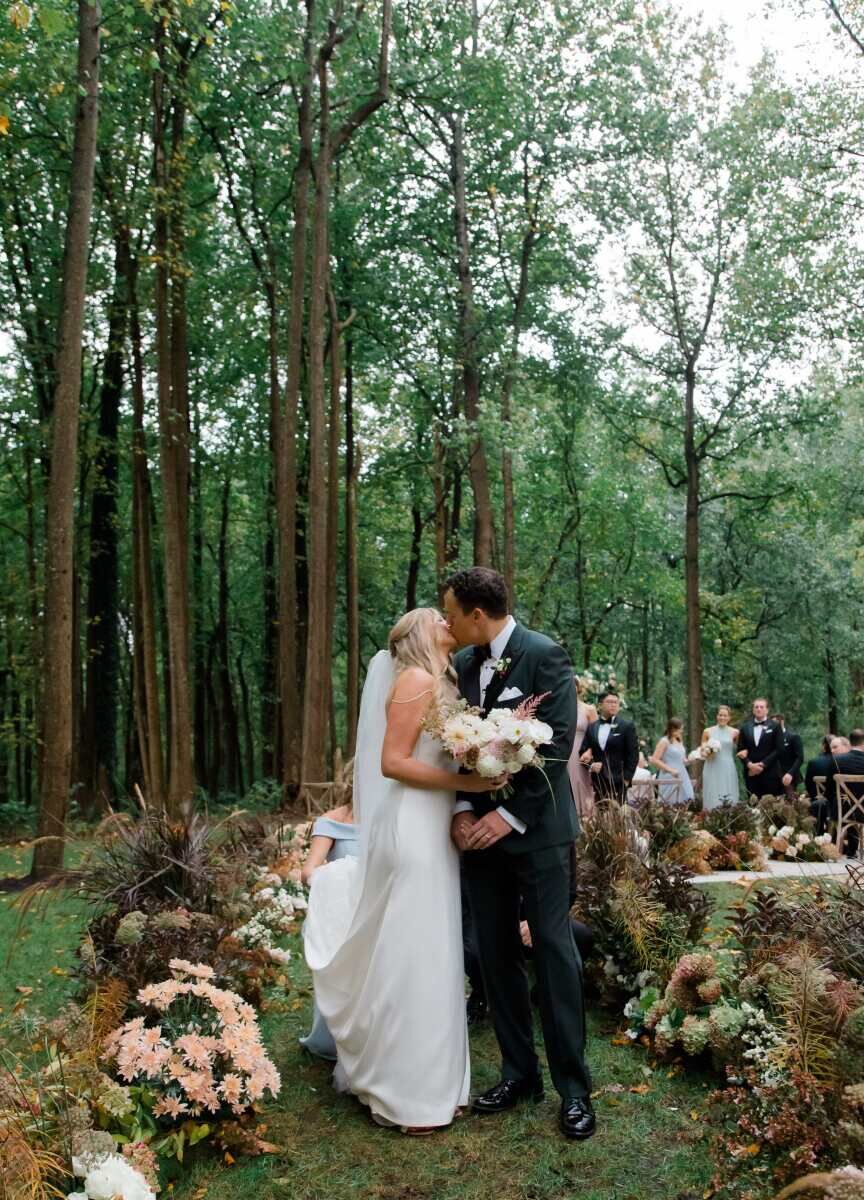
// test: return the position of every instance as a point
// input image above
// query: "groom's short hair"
(479, 587)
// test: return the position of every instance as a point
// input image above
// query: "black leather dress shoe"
(577, 1119)
(475, 1009)
(507, 1094)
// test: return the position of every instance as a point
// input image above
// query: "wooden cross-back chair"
(850, 808)
(819, 780)
(321, 797)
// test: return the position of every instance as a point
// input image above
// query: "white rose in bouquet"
(526, 754)
(489, 766)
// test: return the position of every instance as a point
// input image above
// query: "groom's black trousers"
(502, 887)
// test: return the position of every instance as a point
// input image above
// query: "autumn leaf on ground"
(4, 130)
(640, 1089)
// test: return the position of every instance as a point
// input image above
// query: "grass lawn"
(652, 1139)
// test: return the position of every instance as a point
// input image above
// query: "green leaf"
(52, 21)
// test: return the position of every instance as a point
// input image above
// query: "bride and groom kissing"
(383, 935)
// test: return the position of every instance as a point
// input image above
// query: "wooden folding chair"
(819, 780)
(850, 808)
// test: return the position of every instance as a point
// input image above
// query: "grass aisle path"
(652, 1141)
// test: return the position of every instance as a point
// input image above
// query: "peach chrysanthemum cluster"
(205, 1054)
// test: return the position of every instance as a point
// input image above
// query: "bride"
(383, 935)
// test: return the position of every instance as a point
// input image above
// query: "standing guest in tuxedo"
(850, 762)
(610, 751)
(791, 757)
(760, 742)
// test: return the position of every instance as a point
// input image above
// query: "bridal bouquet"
(501, 743)
(705, 751)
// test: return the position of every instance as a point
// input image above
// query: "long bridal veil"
(337, 887)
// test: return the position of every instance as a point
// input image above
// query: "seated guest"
(846, 762)
(791, 757)
(642, 788)
(610, 751)
(334, 835)
(818, 766)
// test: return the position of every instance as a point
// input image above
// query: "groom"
(518, 853)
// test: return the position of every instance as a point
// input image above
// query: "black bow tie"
(756, 724)
(607, 720)
(483, 652)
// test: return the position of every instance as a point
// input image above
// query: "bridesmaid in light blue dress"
(720, 773)
(669, 757)
(334, 836)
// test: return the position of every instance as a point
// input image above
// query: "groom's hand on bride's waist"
(487, 831)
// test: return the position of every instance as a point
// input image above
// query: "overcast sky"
(804, 45)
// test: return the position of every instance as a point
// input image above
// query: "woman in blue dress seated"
(334, 836)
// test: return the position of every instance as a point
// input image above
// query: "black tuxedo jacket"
(850, 763)
(820, 765)
(621, 756)
(767, 752)
(542, 799)
(791, 755)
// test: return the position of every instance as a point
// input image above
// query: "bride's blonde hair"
(413, 643)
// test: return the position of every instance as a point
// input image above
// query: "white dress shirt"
(487, 671)
(758, 730)
(603, 733)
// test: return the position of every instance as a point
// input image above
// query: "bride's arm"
(409, 704)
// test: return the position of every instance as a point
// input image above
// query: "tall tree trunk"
(270, 768)
(145, 670)
(335, 430)
(695, 692)
(199, 644)
(99, 742)
(833, 704)
(290, 698)
(352, 583)
(59, 551)
(173, 428)
(230, 724)
(316, 705)
(414, 557)
(478, 470)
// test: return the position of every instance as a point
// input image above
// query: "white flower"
(489, 766)
(116, 1177)
(786, 831)
(803, 839)
(526, 754)
(772, 830)
(463, 732)
(512, 729)
(792, 851)
(541, 733)
(279, 955)
(77, 1196)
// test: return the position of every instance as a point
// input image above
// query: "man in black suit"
(760, 742)
(610, 750)
(818, 766)
(517, 854)
(850, 763)
(791, 757)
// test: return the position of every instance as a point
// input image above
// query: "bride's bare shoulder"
(411, 684)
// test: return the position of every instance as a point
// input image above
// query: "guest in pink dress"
(580, 779)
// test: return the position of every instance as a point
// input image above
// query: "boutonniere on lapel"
(501, 666)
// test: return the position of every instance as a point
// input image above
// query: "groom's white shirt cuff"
(467, 806)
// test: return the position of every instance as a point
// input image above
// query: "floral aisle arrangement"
(722, 839)
(789, 831)
(781, 1014)
(503, 742)
(276, 904)
(203, 1062)
(643, 914)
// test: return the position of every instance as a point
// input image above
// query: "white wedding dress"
(383, 938)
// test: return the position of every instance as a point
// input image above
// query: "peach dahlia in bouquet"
(203, 1056)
